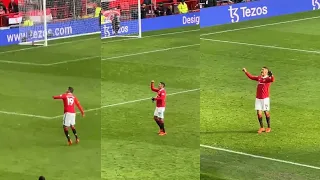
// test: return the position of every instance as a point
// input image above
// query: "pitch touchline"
(259, 157)
(94, 109)
(263, 25)
(259, 45)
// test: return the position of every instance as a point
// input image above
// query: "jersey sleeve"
(153, 88)
(255, 78)
(61, 96)
(78, 105)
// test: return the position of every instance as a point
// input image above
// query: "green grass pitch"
(118, 141)
(131, 148)
(35, 145)
(228, 119)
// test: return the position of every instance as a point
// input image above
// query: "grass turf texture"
(228, 119)
(131, 148)
(30, 146)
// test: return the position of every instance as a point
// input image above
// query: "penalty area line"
(259, 157)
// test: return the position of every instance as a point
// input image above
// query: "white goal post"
(121, 18)
(40, 21)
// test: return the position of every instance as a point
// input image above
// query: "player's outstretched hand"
(152, 99)
(270, 73)
(83, 115)
(244, 69)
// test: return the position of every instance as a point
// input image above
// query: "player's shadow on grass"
(227, 132)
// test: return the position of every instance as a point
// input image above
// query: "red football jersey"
(161, 97)
(69, 100)
(263, 87)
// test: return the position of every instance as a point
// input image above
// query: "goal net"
(44, 20)
(120, 18)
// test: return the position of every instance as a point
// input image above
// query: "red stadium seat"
(125, 6)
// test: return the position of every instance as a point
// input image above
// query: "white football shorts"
(159, 112)
(262, 104)
(69, 119)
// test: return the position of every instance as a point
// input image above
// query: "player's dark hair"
(42, 178)
(70, 89)
(264, 67)
(163, 84)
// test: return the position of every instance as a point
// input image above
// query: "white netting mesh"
(64, 18)
(120, 18)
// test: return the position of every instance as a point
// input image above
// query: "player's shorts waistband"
(69, 113)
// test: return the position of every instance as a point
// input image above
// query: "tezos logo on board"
(244, 12)
(315, 4)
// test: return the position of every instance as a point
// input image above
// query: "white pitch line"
(74, 60)
(156, 35)
(21, 63)
(148, 52)
(92, 57)
(79, 40)
(94, 109)
(129, 102)
(260, 157)
(258, 26)
(49, 64)
(26, 115)
(54, 44)
(102, 59)
(263, 46)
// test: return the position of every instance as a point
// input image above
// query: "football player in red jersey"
(262, 96)
(160, 105)
(69, 118)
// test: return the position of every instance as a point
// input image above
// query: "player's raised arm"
(249, 75)
(152, 87)
(79, 106)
